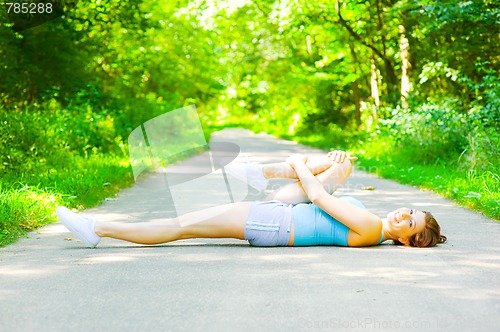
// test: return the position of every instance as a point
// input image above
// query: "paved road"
(51, 283)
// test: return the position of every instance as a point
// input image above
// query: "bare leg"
(332, 179)
(282, 170)
(226, 221)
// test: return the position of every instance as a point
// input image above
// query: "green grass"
(24, 210)
(477, 191)
(28, 200)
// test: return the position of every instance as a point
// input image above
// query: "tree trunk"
(374, 83)
(374, 78)
(355, 89)
(404, 47)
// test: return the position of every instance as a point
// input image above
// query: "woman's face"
(405, 222)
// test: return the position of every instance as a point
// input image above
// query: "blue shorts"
(268, 224)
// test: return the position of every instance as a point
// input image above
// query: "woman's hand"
(339, 156)
(295, 159)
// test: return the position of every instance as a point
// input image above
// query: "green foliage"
(45, 135)
(54, 156)
(435, 131)
(435, 147)
(458, 46)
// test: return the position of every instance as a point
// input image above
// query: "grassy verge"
(28, 202)
(478, 191)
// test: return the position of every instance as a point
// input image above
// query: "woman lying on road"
(285, 219)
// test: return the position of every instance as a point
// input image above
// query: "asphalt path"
(50, 282)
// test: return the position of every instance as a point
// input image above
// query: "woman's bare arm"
(358, 220)
(333, 176)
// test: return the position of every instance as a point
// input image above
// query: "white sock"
(251, 174)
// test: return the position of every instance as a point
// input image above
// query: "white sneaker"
(251, 174)
(80, 225)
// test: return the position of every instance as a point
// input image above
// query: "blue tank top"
(313, 226)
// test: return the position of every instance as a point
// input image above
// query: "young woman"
(285, 219)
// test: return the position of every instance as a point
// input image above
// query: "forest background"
(410, 86)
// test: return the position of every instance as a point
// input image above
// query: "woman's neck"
(385, 229)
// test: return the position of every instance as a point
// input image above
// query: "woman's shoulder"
(370, 236)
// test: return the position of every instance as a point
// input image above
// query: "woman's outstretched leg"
(225, 221)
